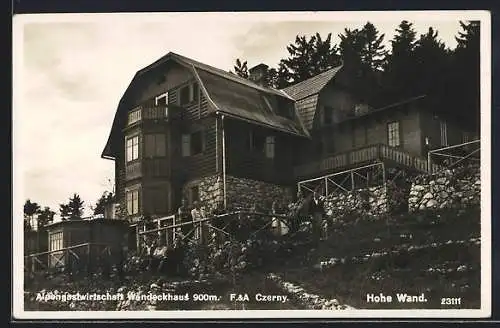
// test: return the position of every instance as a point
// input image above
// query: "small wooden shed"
(87, 241)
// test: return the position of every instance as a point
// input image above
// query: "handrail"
(66, 249)
(364, 154)
(233, 213)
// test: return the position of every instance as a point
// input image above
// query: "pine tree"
(45, 217)
(309, 57)
(73, 210)
(373, 51)
(400, 64)
(241, 68)
(105, 199)
(30, 209)
(465, 83)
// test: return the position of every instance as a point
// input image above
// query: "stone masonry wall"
(241, 193)
(244, 193)
(210, 190)
(450, 189)
(370, 201)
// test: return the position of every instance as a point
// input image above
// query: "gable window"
(192, 144)
(444, 133)
(132, 198)
(56, 241)
(134, 116)
(189, 93)
(132, 148)
(161, 100)
(155, 145)
(393, 134)
(270, 146)
(328, 115)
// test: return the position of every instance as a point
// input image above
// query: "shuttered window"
(155, 145)
(193, 143)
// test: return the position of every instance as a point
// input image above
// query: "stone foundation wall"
(241, 193)
(370, 201)
(244, 193)
(449, 189)
(210, 190)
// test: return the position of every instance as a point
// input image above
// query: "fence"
(82, 257)
(215, 228)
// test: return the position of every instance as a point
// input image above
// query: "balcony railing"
(363, 155)
(150, 113)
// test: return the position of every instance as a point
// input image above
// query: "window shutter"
(270, 143)
(149, 142)
(186, 145)
(160, 145)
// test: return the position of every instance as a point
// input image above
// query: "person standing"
(183, 216)
(198, 214)
(317, 211)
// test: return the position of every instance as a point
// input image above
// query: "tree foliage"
(73, 210)
(30, 210)
(414, 65)
(105, 199)
(241, 68)
(45, 217)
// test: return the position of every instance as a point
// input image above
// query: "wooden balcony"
(353, 158)
(159, 113)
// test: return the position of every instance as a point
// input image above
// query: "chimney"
(258, 74)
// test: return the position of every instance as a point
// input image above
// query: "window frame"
(270, 147)
(132, 203)
(161, 96)
(56, 241)
(394, 134)
(187, 143)
(131, 158)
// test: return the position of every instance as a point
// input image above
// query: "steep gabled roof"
(312, 85)
(306, 94)
(227, 93)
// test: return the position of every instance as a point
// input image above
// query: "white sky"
(71, 70)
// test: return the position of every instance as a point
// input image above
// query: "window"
(155, 145)
(56, 241)
(189, 93)
(328, 115)
(465, 137)
(393, 134)
(132, 148)
(194, 194)
(270, 145)
(162, 100)
(132, 201)
(444, 133)
(256, 142)
(134, 116)
(192, 144)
